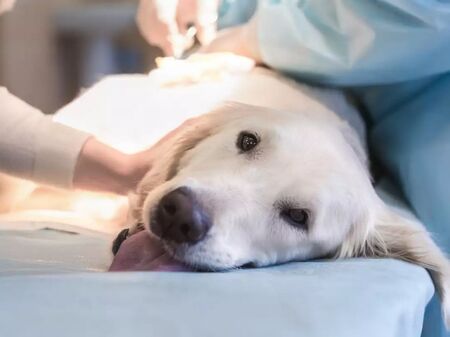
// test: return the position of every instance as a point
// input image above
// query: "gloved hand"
(172, 24)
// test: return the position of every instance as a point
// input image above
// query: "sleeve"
(34, 147)
(355, 42)
(234, 13)
(412, 142)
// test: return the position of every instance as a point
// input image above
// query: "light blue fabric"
(49, 251)
(411, 138)
(433, 325)
(234, 12)
(355, 42)
(352, 298)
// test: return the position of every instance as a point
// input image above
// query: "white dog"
(276, 177)
(279, 175)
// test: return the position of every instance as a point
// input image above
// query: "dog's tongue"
(142, 252)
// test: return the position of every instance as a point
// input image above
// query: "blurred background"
(49, 49)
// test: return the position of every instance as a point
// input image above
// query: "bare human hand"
(105, 169)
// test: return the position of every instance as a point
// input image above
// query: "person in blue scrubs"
(394, 56)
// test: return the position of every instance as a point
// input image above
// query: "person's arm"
(34, 147)
(354, 42)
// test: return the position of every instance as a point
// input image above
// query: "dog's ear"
(396, 236)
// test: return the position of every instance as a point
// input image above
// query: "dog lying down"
(279, 176)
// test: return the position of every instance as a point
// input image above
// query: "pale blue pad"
(350, 298)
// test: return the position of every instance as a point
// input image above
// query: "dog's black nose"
(180, 218)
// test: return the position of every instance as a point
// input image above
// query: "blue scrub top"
(395, 57)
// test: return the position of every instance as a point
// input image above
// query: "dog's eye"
(296, 217)
(247, 141)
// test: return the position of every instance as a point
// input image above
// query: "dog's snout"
(180, 218)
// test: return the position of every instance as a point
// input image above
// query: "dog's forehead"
(303, 148)
(260, 116)
(290, 133)
(280, 120)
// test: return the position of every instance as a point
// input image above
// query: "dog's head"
(251, 185)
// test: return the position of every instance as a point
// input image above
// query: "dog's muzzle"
(180, 218)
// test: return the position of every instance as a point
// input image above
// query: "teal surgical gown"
(394, 55)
